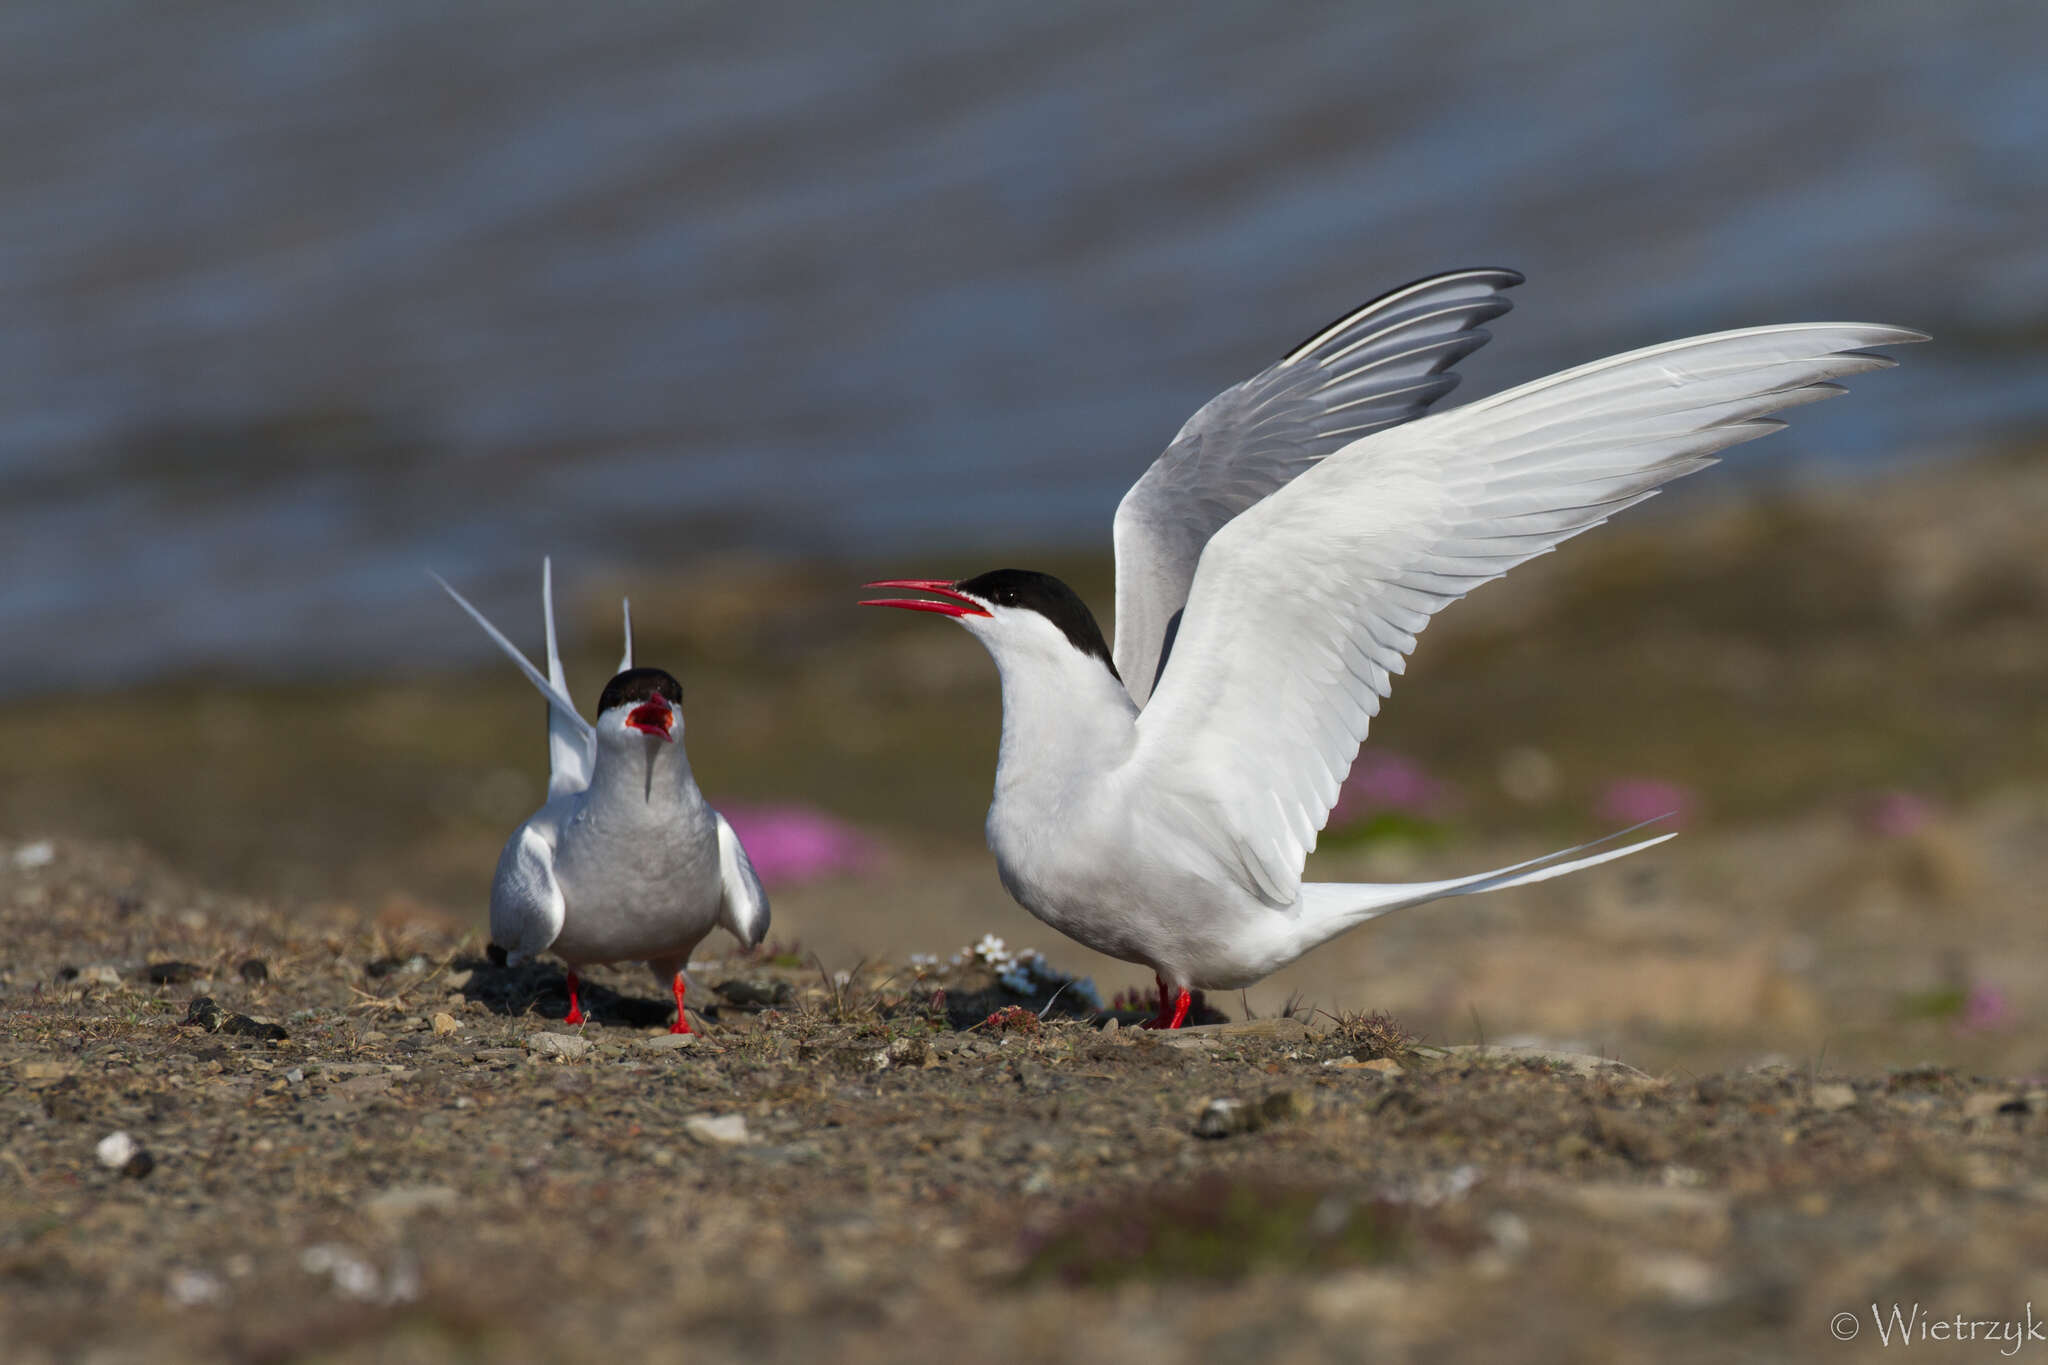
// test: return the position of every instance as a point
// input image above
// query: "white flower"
(990, 950)
(923, 962)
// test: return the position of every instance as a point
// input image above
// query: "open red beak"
(655, 717)
(957, 604)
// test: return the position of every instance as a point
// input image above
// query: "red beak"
(655, 717)
(959, 603)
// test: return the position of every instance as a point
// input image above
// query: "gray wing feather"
(527, 906)
(1378, 365)
(742, 903)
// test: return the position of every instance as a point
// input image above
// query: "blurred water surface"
(295, 302)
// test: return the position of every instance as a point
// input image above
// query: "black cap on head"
(1050, 598)
(639, 684)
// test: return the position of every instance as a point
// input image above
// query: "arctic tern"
(1274, 566)
(625, 861)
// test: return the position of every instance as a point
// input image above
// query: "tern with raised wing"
(625, 861)
(1157, 801)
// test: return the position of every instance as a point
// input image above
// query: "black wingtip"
(1499, 277)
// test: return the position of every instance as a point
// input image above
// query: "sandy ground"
(428, 1165)
(1817, 1062)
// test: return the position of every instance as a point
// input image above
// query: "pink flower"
(1382, 781)
(1897, 814)
(1632, 800)
(789, 845)
(1985, 1010)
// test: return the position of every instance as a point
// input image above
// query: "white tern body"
(1274, 567)
(626, 861)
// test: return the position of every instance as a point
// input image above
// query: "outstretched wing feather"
(1378, 365)
(1305, 605)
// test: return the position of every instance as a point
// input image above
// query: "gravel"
(864, 1183)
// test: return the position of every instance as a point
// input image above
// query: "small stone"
(138, 1166)
(1222, 1119)
(1679, 1280)
(394, 1207)
(1286, 1106)
(172, 973)
(1702, 1217)
(204, 1012)
(556, 1045)
(1111, 1025)
(115, 1150)
(667, 1042)
(255, 971)
(351, 1275)
(99, 974)
(1572, 1146)
(1186, 1039)
(758, 995)
(458, 981)
(444, 1024)
(1576, 1063)
(1834, 1097)
(41, 853)
(194, 1288)
(1983, 1106)
(1226, 1117)
(1628, 1137)
(1286, 1030)
(1384, 1067)
(246, 1027)
(295, 1076)
(722, 1130)
(911, 1053)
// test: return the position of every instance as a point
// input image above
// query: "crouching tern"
(1273, 568)
(626, 861)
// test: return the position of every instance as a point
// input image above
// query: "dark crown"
(1050, 598)
(639, 684)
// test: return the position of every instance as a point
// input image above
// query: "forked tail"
(1330, 908)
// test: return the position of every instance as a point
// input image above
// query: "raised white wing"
(1380, 364)
(742, 903)
(626, 610)
(1307, 604)
(527, 908)
(572, 743)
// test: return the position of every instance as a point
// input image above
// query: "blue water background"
(297, 301)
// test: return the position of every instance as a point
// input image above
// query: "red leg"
(1173, 1006)
(682, 1023)
(1181, 1003)
(575, 1009)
